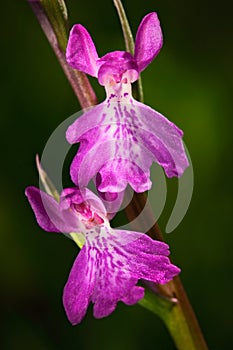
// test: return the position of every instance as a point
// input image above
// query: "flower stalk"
(178, 316)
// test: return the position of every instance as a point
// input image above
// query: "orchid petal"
(79, 287)
(114, 64)
(81, 52)
(149, 40)
(135, 294)
(163, 139)
(108, 268)
(37, 199)
(124, 137)
(146, 258)
(111, 200)
(110, 144)
(75, 195)
(48, 214)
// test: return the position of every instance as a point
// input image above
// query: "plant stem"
(180, 320)
(183, 334)
(129, 45)
(178, 317)
(78, 80)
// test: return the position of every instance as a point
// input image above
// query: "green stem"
(129, 45)
(175, 321)
(128, 36)
(178, 317)
(55, 29)
(180, 320)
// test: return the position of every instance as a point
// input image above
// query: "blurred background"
(190, 82)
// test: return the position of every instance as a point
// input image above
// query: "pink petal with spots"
(108, 269)
(119, 140)
(79, 287)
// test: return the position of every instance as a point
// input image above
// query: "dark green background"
(190, 82)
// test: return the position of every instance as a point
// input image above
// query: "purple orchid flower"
(110, 262)
(121, 137)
